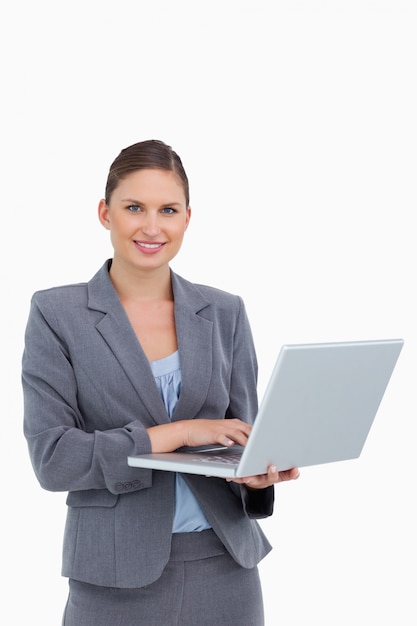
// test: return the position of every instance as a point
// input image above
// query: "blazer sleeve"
(64, 456)
(258, 503)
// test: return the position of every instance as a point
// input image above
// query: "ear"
(187, 217)
(103, 214)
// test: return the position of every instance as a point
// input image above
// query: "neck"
(133, 284)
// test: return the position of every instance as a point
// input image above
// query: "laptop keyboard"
(227, 459)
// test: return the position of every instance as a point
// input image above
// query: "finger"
(254, 482)
(291, 474)
(271, 477)
(226, 441)
(237, 426)
(233, 438)
(273, 473)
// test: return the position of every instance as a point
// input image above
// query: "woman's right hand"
(198, 432)
(224, 432)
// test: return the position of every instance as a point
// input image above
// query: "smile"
(149, 246)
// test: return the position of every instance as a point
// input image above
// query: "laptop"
(318, 407)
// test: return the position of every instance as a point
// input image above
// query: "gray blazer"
(89, 396)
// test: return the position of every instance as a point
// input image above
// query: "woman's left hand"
(266, 480)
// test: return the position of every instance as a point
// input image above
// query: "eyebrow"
(165, 204)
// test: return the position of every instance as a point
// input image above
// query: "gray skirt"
(200, 586)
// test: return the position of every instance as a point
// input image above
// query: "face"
(147, 217)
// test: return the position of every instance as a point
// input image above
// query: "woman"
(139, 360)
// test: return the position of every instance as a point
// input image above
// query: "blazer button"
(128, 486)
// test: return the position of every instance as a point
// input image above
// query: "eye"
(133, 208)
(168, 210)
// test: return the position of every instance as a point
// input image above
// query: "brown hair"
(150, 154)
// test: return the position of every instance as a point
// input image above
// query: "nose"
(150, 224)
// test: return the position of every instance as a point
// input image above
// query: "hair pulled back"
(150, 154)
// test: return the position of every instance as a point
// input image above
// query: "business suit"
(89, 396)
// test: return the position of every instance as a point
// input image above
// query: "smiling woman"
(147, 215)
(136, 360)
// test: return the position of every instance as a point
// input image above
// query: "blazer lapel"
(194, 335)
(119, 335)
(195, 344)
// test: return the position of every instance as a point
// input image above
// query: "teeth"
(149, 245)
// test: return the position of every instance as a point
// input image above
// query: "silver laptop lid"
(320, 403)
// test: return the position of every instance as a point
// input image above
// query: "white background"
(296, 123)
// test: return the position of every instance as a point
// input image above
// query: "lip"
(149, 247)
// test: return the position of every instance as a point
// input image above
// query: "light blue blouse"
(188, 515)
